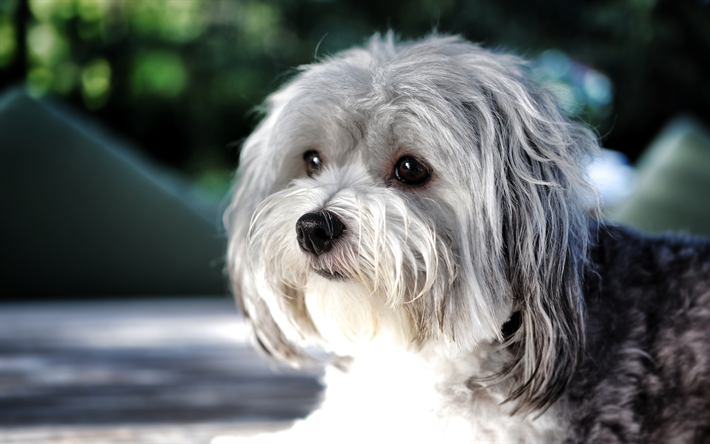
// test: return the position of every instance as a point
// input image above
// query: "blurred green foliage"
(180, 77)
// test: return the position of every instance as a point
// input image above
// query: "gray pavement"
(140, 371)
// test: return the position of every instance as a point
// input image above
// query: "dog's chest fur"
(426, 396)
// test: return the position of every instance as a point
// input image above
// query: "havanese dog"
(420, 210)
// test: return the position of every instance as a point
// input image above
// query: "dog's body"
(420, 208)
(646, 372)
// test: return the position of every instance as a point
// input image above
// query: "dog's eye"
(411, 172)
(313, 162)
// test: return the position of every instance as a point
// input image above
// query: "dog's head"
(415, 192)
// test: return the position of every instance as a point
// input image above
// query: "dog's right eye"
(313, 161)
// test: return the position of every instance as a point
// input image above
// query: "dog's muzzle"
(318, 232)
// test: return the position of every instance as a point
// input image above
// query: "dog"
(420, 210)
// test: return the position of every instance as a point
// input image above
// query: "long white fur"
(431, 275)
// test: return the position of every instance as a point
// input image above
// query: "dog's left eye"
(411, 172)
(313, 161)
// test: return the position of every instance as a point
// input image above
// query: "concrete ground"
(162, 371)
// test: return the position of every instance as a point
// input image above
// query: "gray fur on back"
(646, 370)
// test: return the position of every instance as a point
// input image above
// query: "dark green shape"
(85, 215)
(672, 191)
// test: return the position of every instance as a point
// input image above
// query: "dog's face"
(414, 192)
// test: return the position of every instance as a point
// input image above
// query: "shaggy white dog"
(418, 209)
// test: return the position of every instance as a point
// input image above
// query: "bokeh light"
(96, 83)
(47, 46)
(161, 73)
(178, 21)
(8, 41)
(47, 10)
(581, 90)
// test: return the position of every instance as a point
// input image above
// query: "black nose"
(318, 232)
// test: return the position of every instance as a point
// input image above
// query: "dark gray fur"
(645, 377)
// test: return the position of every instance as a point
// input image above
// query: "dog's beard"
(348, 314)
(389, 273)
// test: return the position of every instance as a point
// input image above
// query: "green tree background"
(182, 77)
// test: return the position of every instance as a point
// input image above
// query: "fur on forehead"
(503, 221)
(400, 93)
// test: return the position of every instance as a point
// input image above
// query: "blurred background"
(120, 128)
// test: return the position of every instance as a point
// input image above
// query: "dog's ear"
(542, 198)
(255, 178)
